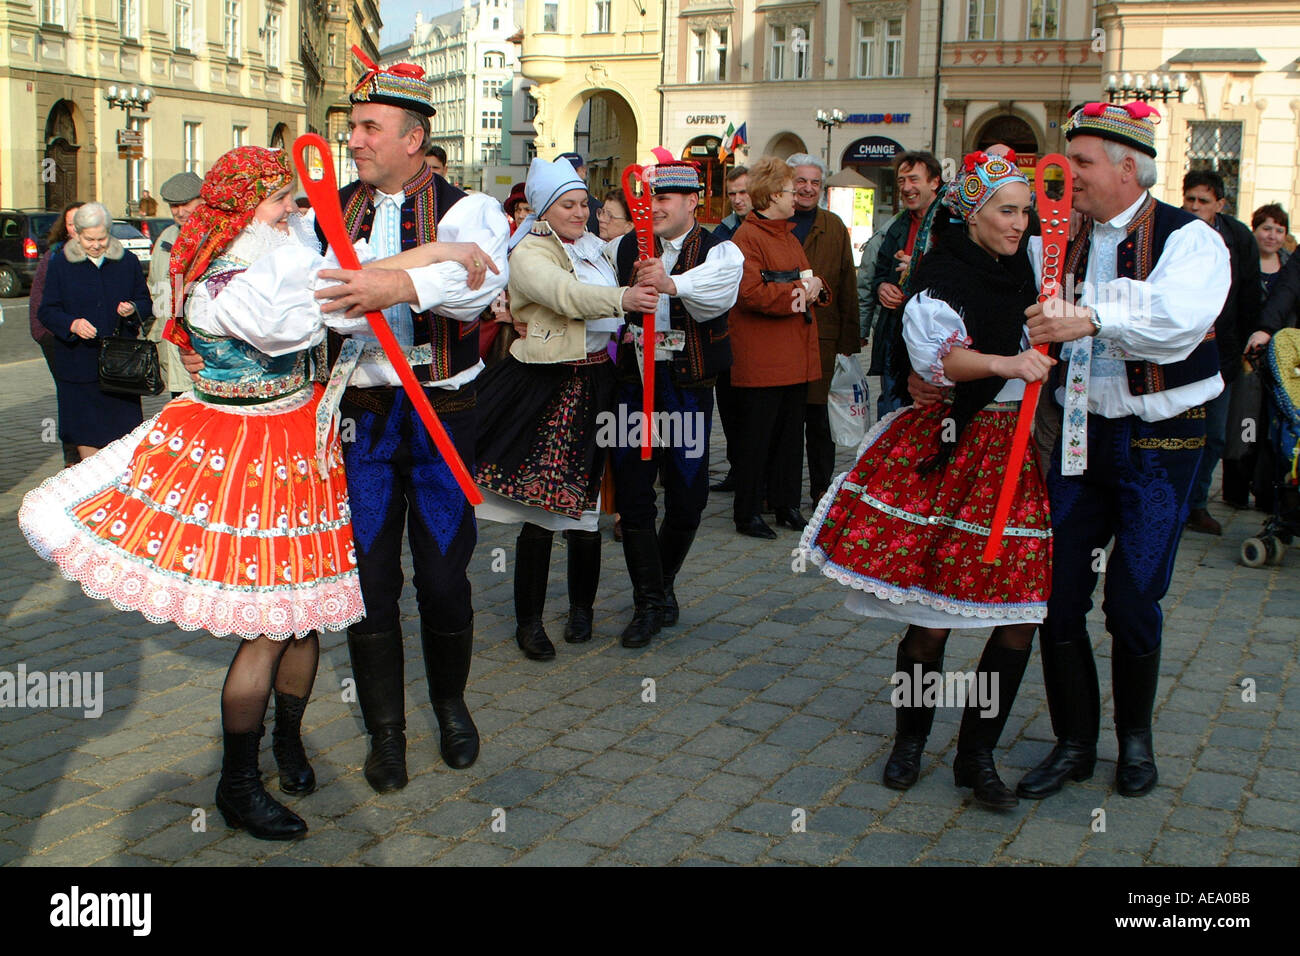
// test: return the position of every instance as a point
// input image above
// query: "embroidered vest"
(1135, 258)
(708, 345)
(427, 198)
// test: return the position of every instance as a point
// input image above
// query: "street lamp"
(828, 122)
(341, 138)
(129, 98)
(1146, 86)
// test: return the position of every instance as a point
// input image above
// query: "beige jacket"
(178, 380)
(547, 295)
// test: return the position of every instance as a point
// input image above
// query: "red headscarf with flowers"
(235, 186)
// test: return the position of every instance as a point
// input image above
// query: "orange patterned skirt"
(211, 517)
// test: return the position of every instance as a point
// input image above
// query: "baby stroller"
(1279, 365)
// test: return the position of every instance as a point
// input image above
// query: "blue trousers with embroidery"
(1136, 491)
(683, 467)
(397, 480)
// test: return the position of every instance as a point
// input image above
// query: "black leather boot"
(296, 775)
(979, 734)
(674, 545)
(584, 577)
(1074, 701)
(532, 568)
(911, 725)
(447, 658)
(378, 666)
(243, 801)
(1133, 679)
(641, 549)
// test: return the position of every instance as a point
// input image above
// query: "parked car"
(135, 241)
(22, 242)
(152, 227)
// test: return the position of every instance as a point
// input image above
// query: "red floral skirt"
(211, 518)
(914, 541)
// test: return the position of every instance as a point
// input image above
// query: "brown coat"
(771, 343)
(830, 252)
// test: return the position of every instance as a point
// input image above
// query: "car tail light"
(144, 228)
(29, 249)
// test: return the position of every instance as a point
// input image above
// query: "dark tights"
(927, 643)
(260, 664)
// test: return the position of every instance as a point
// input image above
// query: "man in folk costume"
(698, 278)
(392, 464)
(1139, 366)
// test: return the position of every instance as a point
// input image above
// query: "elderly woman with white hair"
(93, 288)
(539, 462)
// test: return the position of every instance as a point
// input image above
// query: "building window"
(490, 119)
(1217, 146)
(496, 23)
(530, 106)
(492, 88)
(981, 19)
(494, 61)
(801, 48)
(600, 16)
(183, 24)
(530, 151)
(128, 19)
(894, 47)
(273, 41)
(194, 148)
(697, 55)
(489, 154)
(550, 17)
(1044, 16)
(239, 136)
(135, 168)
(720, 55)
(776, 53)
(53, 13)
(866, 49)
(230, 29)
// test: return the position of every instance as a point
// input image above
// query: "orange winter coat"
(771, 342)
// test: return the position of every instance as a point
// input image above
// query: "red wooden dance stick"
(641, 212)
(324, 196)
(1054, 217)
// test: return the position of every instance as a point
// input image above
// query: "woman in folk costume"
(221, 513)
(906, 527)
(539, 462)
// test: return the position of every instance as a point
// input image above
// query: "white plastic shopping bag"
(846, 404)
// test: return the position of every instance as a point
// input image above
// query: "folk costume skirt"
(910, 544)
(210, 517)
(539, 455)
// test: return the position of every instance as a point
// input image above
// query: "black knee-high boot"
(532, 568)
(1074, 701)
(912, 723)
(241, 798)
(584, 578)
(674, 545)
(296, 775)
(447, 657)
(378, 666)
(979, 733)
(641, 549)
(1133, 679)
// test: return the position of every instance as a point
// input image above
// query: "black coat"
(76, 289)
(1241, 308)
(1282, 309)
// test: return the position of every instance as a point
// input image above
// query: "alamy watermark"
(950, 689)
(39, 689)
(626, 429)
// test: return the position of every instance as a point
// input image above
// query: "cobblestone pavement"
(769, 699)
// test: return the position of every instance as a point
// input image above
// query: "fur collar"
(75, 253)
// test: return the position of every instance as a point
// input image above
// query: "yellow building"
(220, 74)
(604, 51)
(1241, 111)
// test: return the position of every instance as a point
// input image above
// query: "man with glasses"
(829, 249)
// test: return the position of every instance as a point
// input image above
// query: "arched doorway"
(604, 132)
(278, 136)
(59, 171)
(783, 145)
(1011, 131)
(703, 150)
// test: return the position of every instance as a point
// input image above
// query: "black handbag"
(128, 365)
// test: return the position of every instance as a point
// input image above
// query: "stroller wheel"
(1275, 550)
(1253, 553)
